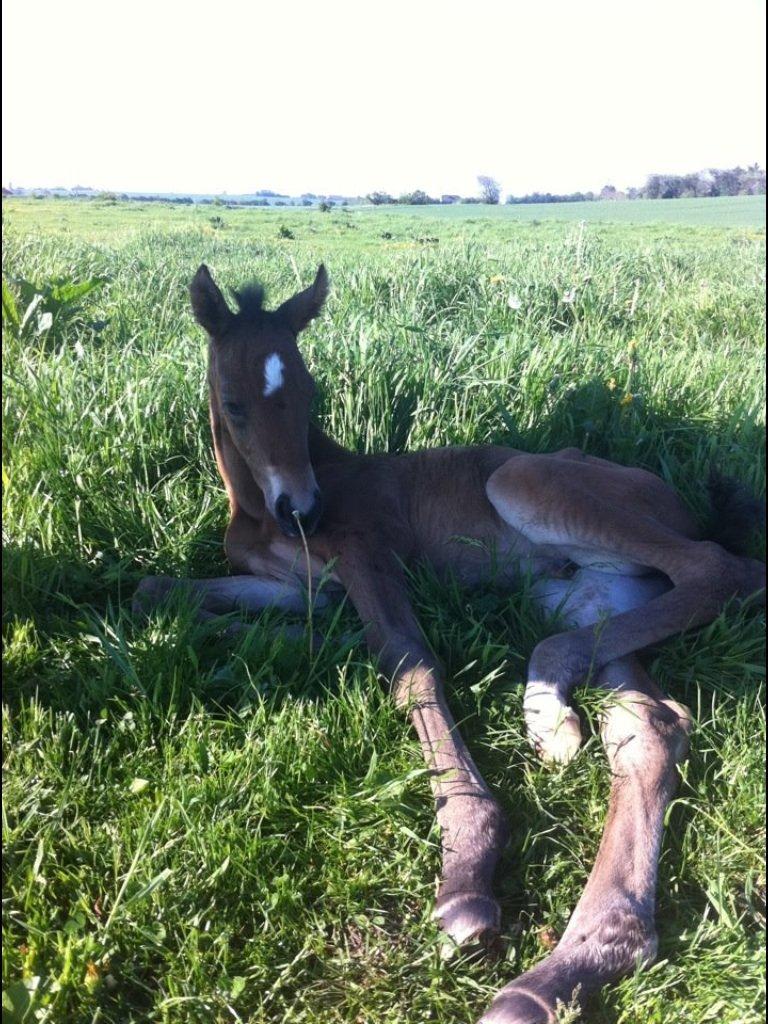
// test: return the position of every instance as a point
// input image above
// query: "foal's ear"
(208, 304)
(305, 306)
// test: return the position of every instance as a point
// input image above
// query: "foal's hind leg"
(583, 601)
(611, 931)
(628, 522)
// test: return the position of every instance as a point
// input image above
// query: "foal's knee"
(562, 661)
(416, 679)
(640, 731)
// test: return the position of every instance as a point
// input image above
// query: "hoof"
(468, 919)
(616, 944)
(515, 1006)
(554, 729)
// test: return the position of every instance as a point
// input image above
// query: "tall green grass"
(199, 829)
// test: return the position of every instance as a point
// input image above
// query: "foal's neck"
(323, 448)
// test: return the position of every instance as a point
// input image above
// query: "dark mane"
(250, 301)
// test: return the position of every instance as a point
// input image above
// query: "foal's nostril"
(283, 510)
(293, 523)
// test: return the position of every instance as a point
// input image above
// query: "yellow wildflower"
(627, 400)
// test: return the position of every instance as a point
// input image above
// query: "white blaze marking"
(273, 374)
(273, 489)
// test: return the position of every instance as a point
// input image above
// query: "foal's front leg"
(474, 830)
(611, 932)
(225, 594)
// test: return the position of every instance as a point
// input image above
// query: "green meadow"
(101, 220)
(203, 829)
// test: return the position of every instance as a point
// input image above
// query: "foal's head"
(263, 390)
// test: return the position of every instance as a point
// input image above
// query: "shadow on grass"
(58, 609)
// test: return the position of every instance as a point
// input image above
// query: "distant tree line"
(551, 197)
(265, 197)
(733, 181)
(415, 198)
(490, 192)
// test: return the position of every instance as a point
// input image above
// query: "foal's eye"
(235, 410)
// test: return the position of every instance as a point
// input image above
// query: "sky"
(348, 97)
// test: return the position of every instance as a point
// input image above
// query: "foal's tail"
(736, 514)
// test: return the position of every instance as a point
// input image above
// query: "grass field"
(726, 211)
(99, 220)
(201, 830)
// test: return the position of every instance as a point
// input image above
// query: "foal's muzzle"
(288, 518)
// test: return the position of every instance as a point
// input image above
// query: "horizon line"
(276, 193)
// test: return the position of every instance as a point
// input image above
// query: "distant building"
(448, 200)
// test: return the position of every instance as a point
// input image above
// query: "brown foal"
(615, 553)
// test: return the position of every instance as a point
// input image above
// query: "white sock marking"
(273, 374)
